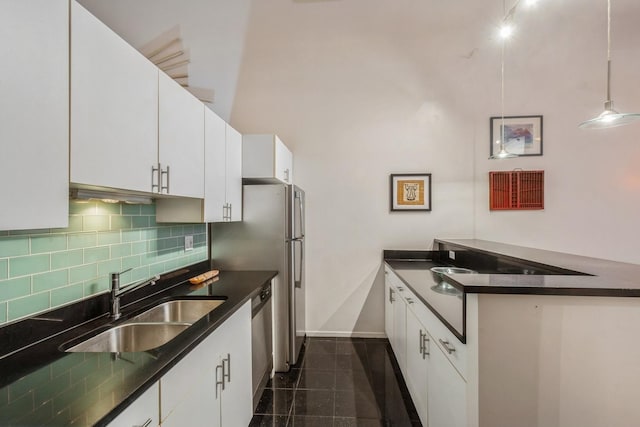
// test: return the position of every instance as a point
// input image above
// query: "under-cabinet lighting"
(81, 195)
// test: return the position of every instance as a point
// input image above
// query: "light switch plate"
(452, 255)
(188, 243)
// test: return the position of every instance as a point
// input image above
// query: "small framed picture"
(411, 192)
(522, 135)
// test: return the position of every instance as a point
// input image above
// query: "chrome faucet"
(116, 292)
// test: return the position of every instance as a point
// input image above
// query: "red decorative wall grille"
(516, 190)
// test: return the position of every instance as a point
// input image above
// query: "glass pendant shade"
(609, 118)
(503, 154)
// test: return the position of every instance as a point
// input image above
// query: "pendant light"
(609, 118)
(503, 153)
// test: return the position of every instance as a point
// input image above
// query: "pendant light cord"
(504, 8)
(609, 53)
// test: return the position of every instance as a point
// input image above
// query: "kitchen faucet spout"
(116, 292)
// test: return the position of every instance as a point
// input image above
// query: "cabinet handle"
(410, 301)
(286, 175)
(146, 423)
(425, 340)
(400, 288)
(421, 342)
(230, 211)
(155, 187)
(391, 298)
(447, 346)
(226, 376)
(221, 381)
(164, 172)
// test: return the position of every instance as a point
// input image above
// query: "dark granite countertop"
(594, 277)
(40, 385)
(541, 273)
(601, 277)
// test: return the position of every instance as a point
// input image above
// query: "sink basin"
(131, 337)
(178, 311)
(150, 329)
(451, 270)
(442, 286)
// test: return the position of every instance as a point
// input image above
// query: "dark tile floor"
(339, 382)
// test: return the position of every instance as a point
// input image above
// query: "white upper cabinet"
(180, 140)
(223, 174)
(114, 108)
(34, 111)
(234, 173)
(266, 158)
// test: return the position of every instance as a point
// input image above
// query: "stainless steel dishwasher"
(261, 340)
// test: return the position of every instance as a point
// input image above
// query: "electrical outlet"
(188, 243)
(452, 255)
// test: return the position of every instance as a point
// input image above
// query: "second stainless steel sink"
(178, 311)
(150, 329)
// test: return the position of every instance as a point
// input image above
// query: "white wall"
(213, 31)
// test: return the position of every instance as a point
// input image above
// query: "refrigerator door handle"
(300, 201)
(297, 280)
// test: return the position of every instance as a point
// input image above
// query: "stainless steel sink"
(178, 311)
(148, 330)
(131, 337)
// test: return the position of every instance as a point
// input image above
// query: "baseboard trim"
(346, 334)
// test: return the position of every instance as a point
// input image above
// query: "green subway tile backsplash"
(15, 288)
(44, 269)
(95, 222)
(13, 246)
(64, 295)
(66, 259)
(99, 253)
(48, 243)
(21, 266)
(51, 280)
(26, 306)
(4, 269)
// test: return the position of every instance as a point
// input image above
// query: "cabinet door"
(114, 108)
(446, 392)
(34, 111)
(283, 167)
(188, 391)
(417, 364)
(215, 166)
(144, 410)
(388, 309)
(400, 332)
(237, 398)
(180, 140)
(234, 172)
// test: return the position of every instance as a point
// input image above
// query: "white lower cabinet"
(212, 385)
(142, 412)
(418, 349)
(437, 389)
(446, 392)
(400, 331)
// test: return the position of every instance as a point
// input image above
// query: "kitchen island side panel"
(553, 361)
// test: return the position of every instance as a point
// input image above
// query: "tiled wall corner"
(43, 269)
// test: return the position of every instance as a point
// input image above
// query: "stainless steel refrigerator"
(270, 237)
